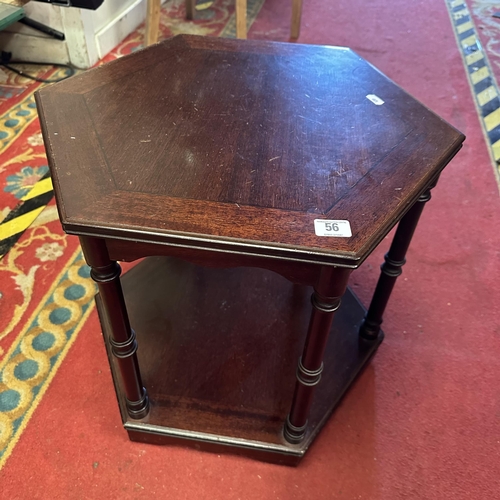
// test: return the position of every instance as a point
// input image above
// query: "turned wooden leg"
(106, 273)
(325, 300)
(241, 18)
(152, 21)
(296, 17)
(190, 8)
(392, 268)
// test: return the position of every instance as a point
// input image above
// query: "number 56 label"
(335, 228)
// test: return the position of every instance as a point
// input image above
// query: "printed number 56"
(331, 226)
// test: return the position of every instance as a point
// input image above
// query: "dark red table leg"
(106, 273)
(325, 300)
(392, 268)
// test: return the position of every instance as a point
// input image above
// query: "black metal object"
(82, 4)
(43, 28)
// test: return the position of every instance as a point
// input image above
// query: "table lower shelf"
(218, 351)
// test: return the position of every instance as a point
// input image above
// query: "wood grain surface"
(220, 375)
(240, 145)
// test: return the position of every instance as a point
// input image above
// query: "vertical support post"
(190, 9)
(392, 267)
(152, 21)
(106, 273)
(241, 19)
(325, 300)
(296, 18)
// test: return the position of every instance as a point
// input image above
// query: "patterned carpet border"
(483, 84)
(40, 348)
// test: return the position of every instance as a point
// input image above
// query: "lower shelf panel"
(218, 351)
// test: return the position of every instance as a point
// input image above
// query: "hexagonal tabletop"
(240, 146)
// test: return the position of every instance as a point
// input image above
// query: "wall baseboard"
(119, 28)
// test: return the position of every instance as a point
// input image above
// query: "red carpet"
(423, 421)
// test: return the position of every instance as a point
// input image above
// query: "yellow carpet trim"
(43, 390)
(481, 79)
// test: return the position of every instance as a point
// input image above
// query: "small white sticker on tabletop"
(375, 99)
(335, 228)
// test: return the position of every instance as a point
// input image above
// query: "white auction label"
(335, 228)
(375, 99)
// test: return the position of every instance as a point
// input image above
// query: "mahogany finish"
(221, 376)
(240, 145)
(392, 268)
(122, 339)
(328, 292)
(222, 153)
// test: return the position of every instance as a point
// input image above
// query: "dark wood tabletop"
(239, 146)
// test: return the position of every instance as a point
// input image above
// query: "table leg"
(392, 268)
(152, 22)
(106, 273)
(296, 16)
(241, 19)
(325, 300)
(190, 9)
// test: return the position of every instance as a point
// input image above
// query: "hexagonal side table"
(244, 173)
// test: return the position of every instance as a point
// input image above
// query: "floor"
(422, 422)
